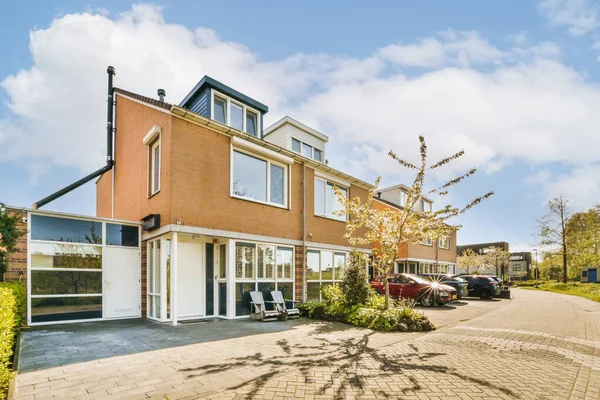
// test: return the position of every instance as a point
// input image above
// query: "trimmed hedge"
(13, 306)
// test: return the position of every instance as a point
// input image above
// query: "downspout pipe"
(109, 150)
(304, 232)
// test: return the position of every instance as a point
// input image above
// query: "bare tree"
(553, 228)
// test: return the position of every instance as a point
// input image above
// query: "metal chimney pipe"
(109, 115)
(161, 95)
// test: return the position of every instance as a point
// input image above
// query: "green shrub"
(12, 312)
(355, 286)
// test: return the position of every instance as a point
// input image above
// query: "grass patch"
(588, 290)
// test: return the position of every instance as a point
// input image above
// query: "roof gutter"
(109, 150)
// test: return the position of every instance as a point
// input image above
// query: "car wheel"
(485, 295)
(427, 300)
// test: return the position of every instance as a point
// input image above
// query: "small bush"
(355, 287)
(12, 312)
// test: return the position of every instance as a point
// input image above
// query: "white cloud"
(525, 105)
(539, 178)
(580, 16)
(581, 186)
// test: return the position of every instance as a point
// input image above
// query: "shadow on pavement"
(350, 364)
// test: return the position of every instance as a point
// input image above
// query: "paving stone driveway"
(537, 346)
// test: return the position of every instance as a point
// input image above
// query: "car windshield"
(419, 280)
(458, 279)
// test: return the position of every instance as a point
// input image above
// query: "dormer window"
(307, 150)
(235, 114)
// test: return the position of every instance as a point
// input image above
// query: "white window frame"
(327, 182)
(286, 179)
(403, 197)
(152, 166)
(444, 240)
(334, 279)
(245, 109)
(312, 150)
(427, 242)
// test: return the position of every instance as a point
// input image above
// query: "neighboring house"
(228, 205)
(519, 266)
(483, 248)
(430, 256)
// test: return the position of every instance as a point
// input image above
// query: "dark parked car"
(457, 283)
(407, 286)
(481, 286)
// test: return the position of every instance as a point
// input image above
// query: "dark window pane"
(65, 308)
(223, 299)
(266, 288)
(249, 176)
(313, 291)
(242, 298)
(69, 259)
(210, 278)
(220, 110)
(318, 155)
(251, 123)
(122, 235)
(57, 229)
(296, 145)
(287, 289)
(66, 282)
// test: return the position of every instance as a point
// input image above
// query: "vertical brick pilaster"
(299, 262)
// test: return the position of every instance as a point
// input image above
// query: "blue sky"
(514, 83)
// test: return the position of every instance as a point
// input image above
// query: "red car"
(407, 286)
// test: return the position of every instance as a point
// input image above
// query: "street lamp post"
(535, 271)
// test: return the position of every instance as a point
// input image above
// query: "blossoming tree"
(387, 230)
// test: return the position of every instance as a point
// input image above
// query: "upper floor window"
(152, 140)
(425, 205)
(237, 115)
(155, 167)
(307, 150)
(427, 242)
(326, 201)
(259, 179)
(444, 243)
(402, 198)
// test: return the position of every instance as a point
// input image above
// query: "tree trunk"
(564, 264)
(387, 294)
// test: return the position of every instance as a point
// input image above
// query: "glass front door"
(221, 281)
(210, 279)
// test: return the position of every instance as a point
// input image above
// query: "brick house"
(428, 256)
(228, 206)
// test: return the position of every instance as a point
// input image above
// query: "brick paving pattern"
(537, 346)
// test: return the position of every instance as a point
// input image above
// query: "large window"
(259, 179)
(307, 150)
(323, 268)
(262, 267)
(326, 201)
(235, 114)
(66, 266)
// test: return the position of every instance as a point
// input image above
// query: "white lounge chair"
(259, 308)
(280, 302)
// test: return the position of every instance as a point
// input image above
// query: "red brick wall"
(132, 203)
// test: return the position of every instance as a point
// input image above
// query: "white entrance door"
(122, 283)
(190, 301)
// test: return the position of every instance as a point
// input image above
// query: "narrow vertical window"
(236, 116)
(220, 110)
(155, 156)
(318, 155)
(306, 150)
(296, 145)
(251, 123)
